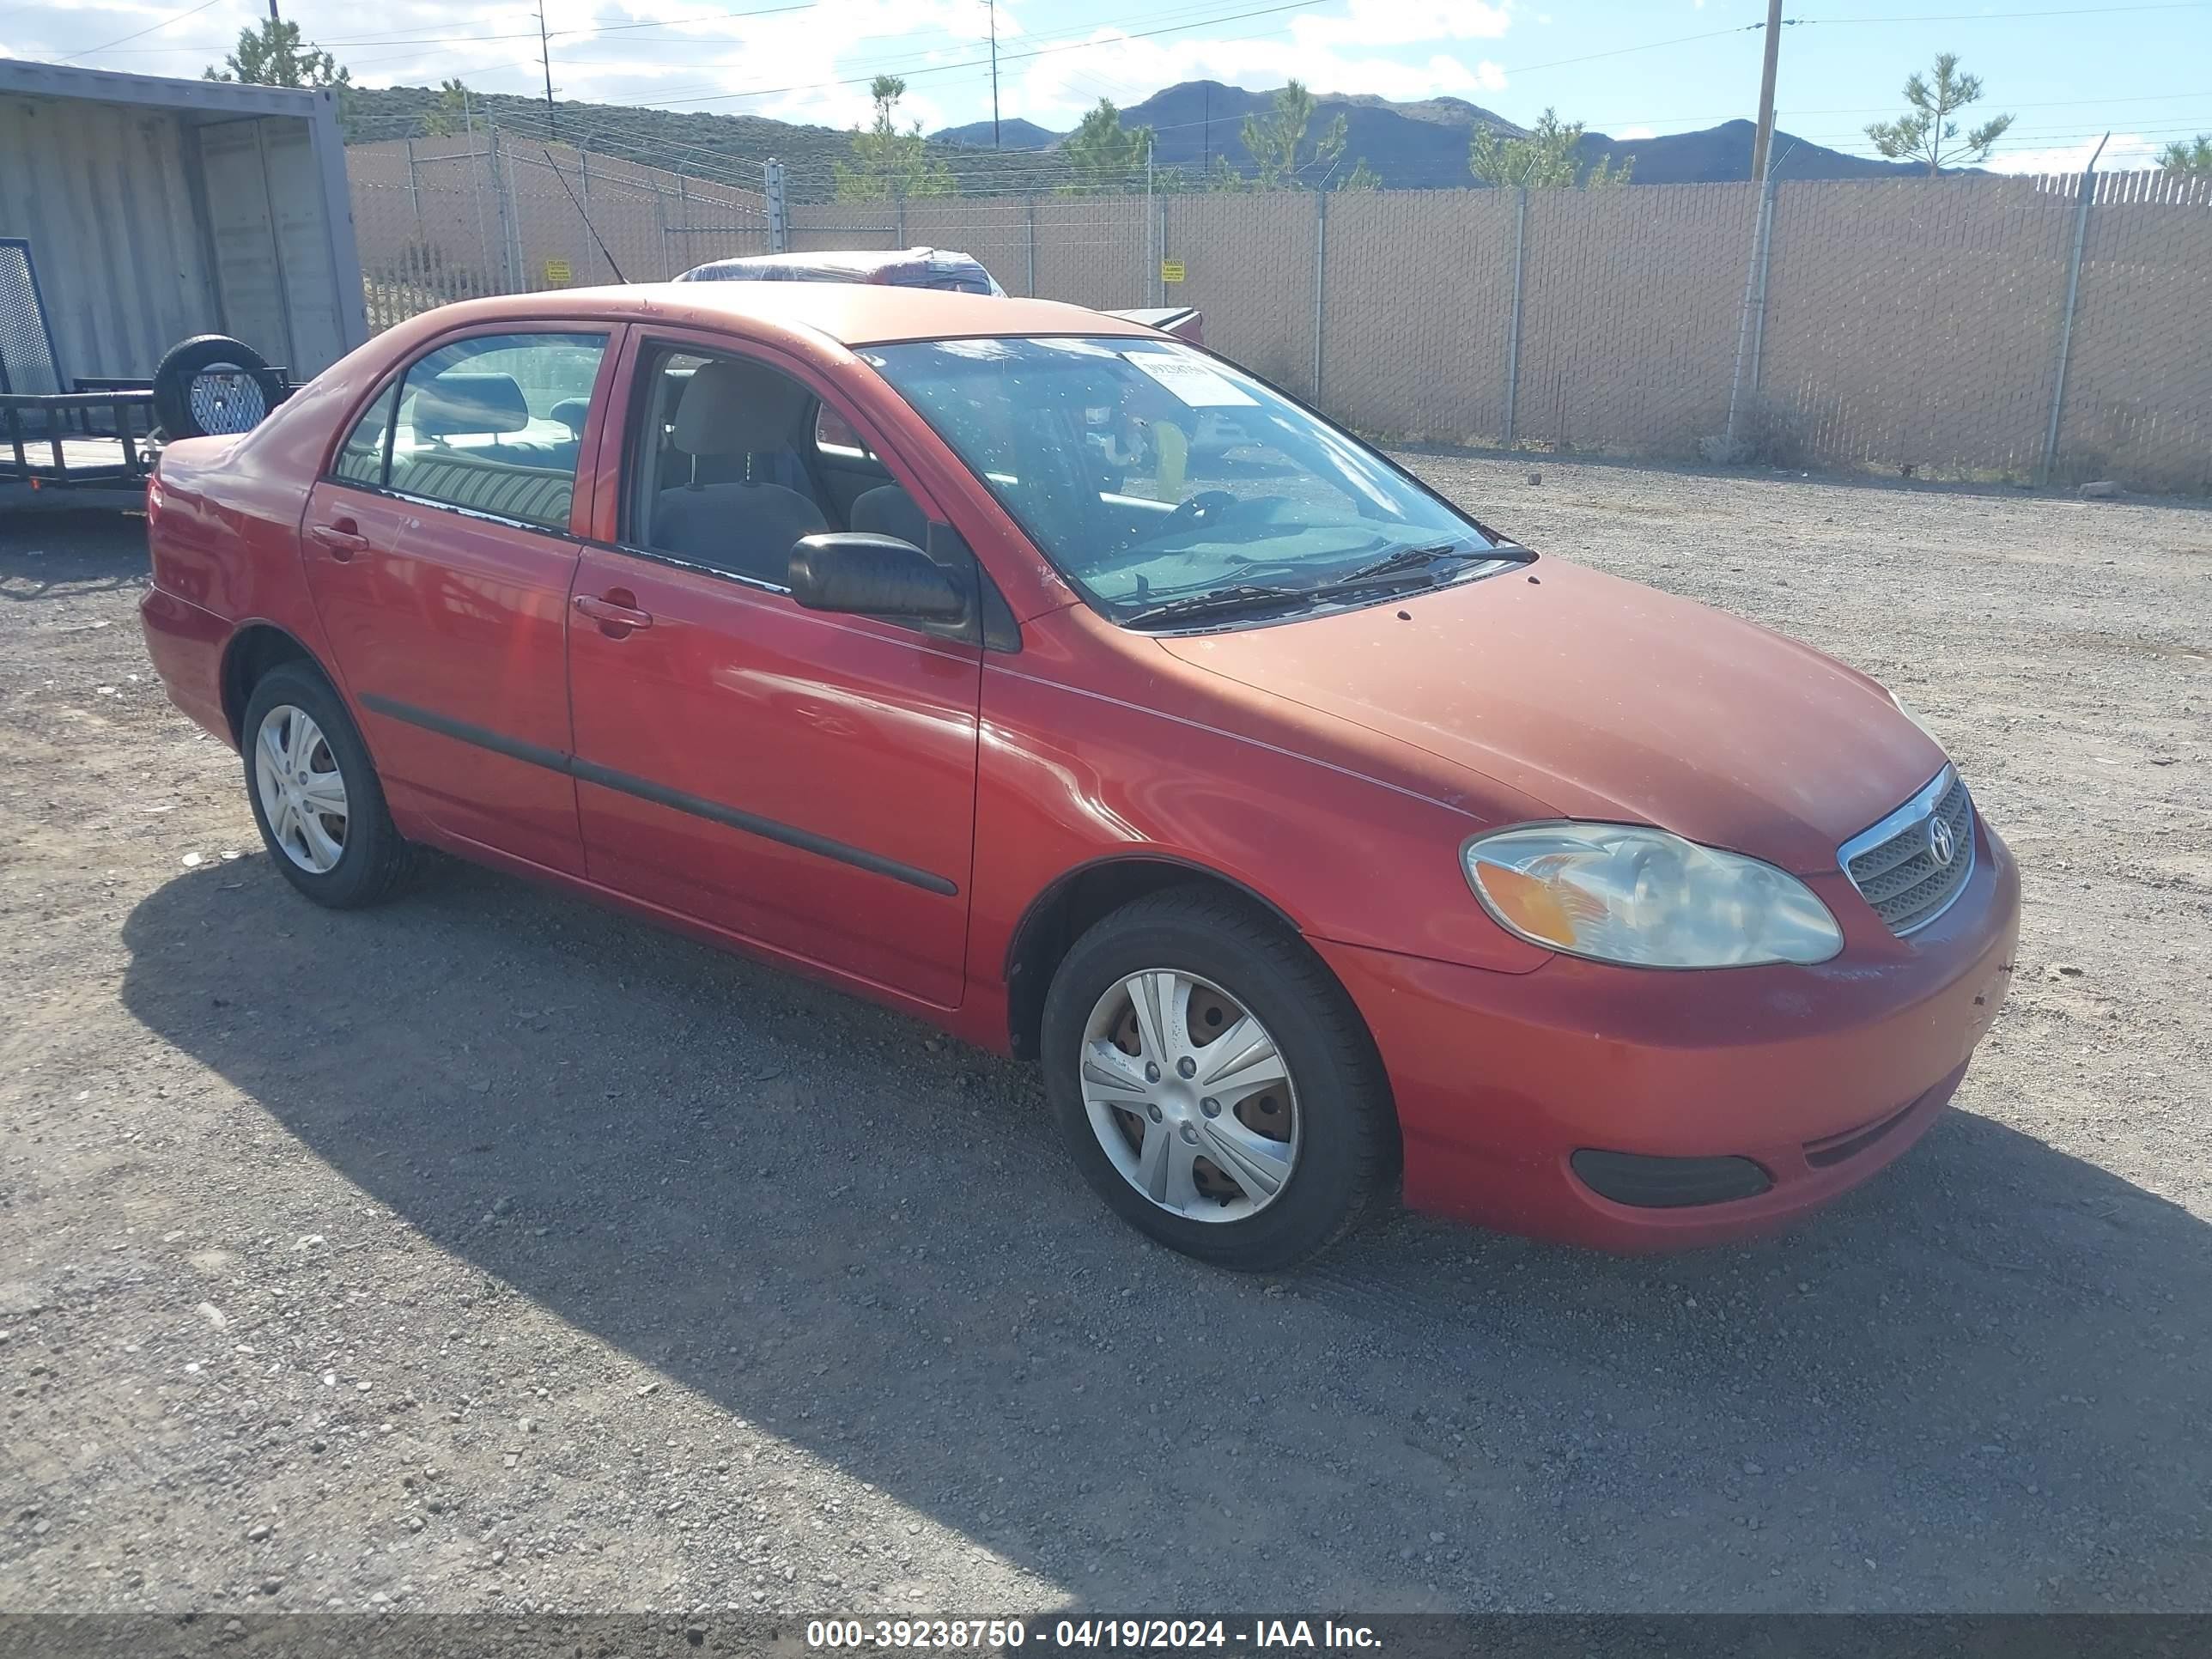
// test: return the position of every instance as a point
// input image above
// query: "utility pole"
(993, 5)
(1764, 142)
(546, 57)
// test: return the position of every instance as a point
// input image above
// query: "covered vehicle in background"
(906, 267)
(913, 267)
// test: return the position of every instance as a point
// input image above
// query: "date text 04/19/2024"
(1005, 1635)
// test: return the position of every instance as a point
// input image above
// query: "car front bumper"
(1817, 1076)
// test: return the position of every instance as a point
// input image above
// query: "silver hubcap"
(303, 796)
(1189, 1097)
(224, 398)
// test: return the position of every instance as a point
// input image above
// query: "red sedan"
(1066, 686)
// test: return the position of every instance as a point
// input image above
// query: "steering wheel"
(1202, 509)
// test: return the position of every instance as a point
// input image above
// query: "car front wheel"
(1213, 1083)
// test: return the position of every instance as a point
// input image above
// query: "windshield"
(1152, 475)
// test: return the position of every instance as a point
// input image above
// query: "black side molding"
(555, 760)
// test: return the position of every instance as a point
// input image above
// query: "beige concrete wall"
(441, 219)
(1907, 323)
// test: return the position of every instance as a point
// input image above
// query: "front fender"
(1070, 775)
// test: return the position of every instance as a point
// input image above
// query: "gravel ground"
(490, 1251)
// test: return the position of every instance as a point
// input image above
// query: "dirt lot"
(486, 1250)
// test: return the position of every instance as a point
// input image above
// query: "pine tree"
(1105, 155)
(2192, 160)
(449, 114)
(888, 165)
(1277, 142)
(1548, 157)
(1927, 131)
(271, 55)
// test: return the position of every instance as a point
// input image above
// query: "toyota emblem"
(1942, 845)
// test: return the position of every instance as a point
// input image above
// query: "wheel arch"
(251, 653)
(1057, 916)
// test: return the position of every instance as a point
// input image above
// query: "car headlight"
(1622, 893)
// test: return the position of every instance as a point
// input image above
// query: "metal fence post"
(1030, 202)
(779, 226)
(1152, 226)
(1765, 263)
(521, 275)
(1320, 284)
(1513, 323)
(1159, 264)
(499, 194)
(2088, 195)
(414, 188)
(1750, 327)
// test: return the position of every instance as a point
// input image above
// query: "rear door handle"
(615, 614)
(341, 538)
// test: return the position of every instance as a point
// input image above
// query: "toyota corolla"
(1066, 686)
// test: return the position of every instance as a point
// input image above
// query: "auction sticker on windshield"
(1189, 380)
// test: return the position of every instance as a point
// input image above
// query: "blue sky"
(2068, 72)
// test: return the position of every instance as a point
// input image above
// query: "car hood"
(1606, 700)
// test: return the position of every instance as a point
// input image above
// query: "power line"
(176, 17)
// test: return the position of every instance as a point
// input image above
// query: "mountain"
(1014, 134)
(1723, 153)
(1413, 145)
(727, 148)
(1422, 145)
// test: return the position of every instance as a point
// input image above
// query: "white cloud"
(790, 66)
(1637, 132)
(2126, 152)
(1404, 23)
(1054, 90)
(822, 57)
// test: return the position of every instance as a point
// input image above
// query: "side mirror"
(865, 576)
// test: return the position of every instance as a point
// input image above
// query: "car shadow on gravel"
(1979, 1383)
(47, 552)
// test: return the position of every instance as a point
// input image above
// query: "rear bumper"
(1818, 1076)
(186, 645)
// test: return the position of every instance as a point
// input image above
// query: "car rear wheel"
(1213, 1083)
(315, 796)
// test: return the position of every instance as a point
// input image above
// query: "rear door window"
(494, 424)
(361, 459)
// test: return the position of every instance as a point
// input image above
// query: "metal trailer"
(136, 211)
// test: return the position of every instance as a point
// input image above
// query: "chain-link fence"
(2036, 329)
(489, 212)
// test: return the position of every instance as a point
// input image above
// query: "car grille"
(1895, 864)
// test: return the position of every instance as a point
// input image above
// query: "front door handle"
(341, 538)
(617, 614)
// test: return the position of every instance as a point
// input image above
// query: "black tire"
(186, 362)
(375, 860)
(1349, 1138)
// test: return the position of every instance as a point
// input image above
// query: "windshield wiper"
(1419, 558)
(1220, 601)
(1249, 596)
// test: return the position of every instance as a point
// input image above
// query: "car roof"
(852, 313)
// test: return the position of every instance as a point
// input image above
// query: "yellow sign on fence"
(1171, 271)
(558, 271)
